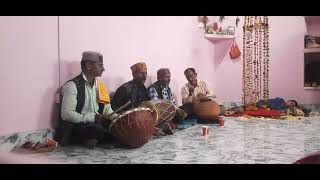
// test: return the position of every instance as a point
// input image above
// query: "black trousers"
(188, 108)
(81, 132)
(73, 133)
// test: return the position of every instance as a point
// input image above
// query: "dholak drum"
(313, 158)
(165, 110)
(206, 109)
(134, 128)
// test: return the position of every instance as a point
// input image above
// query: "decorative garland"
(255, 85)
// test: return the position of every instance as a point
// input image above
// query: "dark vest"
(80, 84)
(64, 128)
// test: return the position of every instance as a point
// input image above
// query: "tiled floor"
(240, 141)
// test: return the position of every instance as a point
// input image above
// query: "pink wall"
(173, 42)
(28, 72)
(286, 63)
(29, 65)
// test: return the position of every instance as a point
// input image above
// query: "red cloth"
(234, 115)
(264, 113)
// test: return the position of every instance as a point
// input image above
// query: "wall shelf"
(216, 38)
(312, 50)
(310, 88)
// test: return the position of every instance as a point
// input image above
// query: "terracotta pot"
(206, 109)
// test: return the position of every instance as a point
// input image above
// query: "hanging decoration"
(234, 50)
(255, 85)
(237, 21)
(221, 18)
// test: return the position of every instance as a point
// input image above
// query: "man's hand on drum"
(195, 99)
(200, 95)
(205, 96)
(100, 119)
(181, 113)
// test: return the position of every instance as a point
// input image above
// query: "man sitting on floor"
(193, 91)
(86, 103)
(161, 90)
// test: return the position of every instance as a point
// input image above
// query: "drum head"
(165, 110)
(152, 107)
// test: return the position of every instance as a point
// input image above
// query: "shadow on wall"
(112, 84)
(48, 110)
(49, 99)
(221, 50)
(150, 80)
(69, 69)
(176, 91)
(118, 81)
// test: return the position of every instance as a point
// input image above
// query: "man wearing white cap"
(86, 103)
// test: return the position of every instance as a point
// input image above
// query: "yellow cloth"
(103, 93)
